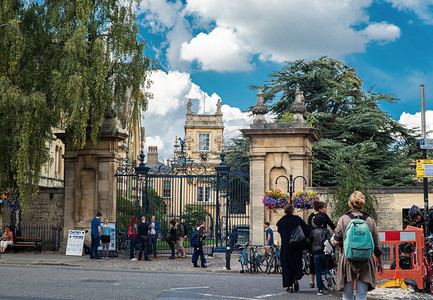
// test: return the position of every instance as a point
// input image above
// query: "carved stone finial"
(259, 109)
(218, 111)
(298, 107)
(188, 107)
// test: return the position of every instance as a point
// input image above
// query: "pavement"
(217, 264)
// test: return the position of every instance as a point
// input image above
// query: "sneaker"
(133, 258)
(329, 280)
(207, 263)
(320, 293)
(312, 285)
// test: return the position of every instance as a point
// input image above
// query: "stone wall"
(390, 203)
(46, 209)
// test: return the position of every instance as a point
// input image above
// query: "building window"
(167, 189)
(203, 193)
(203, 142)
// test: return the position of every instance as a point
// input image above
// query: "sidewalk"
(122, 262)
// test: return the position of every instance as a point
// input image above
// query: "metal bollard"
(228, 253)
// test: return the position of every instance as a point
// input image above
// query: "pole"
(424, 155)
(290, 187)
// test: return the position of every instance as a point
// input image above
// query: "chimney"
(152, 156)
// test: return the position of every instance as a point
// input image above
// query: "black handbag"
(298, 236)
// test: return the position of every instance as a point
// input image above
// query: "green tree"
(347, 117)
(64, 63)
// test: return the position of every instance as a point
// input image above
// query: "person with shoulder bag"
(171, 237)
(105, 238)
(133, 237)
(357, 263)
(293, 231)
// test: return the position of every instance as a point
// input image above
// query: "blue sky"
(210, 49)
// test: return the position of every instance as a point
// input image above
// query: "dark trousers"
(291, 265)
(201, 254)
(194, 255)
(171, 248)
(132, 247)
(144, 246)
(94, 245)
(152, 244)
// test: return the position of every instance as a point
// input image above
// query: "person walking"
(291, 253)
(269, 238)
(180, 233)
(317, 237)
(95, 235)
(143, 239)
(192, 242)
(319, 207)
(199, 241)
(364, 272)
(153, 238)
(105, 238)
(171, 237)
(133, 237)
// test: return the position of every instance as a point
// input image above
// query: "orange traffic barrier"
(394, 238)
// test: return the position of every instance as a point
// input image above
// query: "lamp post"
(291, 183)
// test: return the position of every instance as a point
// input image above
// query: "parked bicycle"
(306, 262)
(258, 261)
(243, 256)
(274, 265)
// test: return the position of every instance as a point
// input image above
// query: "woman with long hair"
(291, 253)
(105, 238)
(199, 241)
(171, 237)
(133, 237)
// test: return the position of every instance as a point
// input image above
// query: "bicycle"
(306, 262)
(274, 261)
(257, 260)
(243, 256)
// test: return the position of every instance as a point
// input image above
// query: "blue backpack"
(358, 244)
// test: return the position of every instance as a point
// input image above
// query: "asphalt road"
(55, 282)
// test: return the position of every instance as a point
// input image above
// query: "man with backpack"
(355, 262)
(181, 232)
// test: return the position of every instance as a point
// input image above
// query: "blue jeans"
(195, 254)
(94, 245)
(132, 248)
(361, 290)
(321, 264)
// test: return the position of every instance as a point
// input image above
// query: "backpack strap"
(363, 217)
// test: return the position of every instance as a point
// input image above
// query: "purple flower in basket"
(274, 199)
(305, 199)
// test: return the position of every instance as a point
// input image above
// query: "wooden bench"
(23, 241)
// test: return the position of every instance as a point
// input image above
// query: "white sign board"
(426, 144)
(112, 246)
(75, 242)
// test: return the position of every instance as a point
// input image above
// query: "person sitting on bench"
(7, 239)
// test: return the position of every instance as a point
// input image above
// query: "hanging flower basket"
(304, 199)
(11, 199)
(274, 199)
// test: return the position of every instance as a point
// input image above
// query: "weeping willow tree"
(64, 63)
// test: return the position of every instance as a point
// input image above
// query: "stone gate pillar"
(277, 149)
(90, 184)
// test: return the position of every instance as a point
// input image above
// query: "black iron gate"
(190, 192)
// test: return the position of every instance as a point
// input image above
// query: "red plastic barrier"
(394, 238)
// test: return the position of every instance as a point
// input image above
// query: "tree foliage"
(64, 63)
(348, 119)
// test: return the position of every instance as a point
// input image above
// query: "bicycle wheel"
(244, 265)
(272, 264)
(124, 246)
(306, 264)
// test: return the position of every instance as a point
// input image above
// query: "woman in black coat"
(291, 254)
(171, 238)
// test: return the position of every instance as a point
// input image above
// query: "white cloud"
(414, 121)
(224, 35)
(382, 32)
(166, 114)
(220, 50)
(422, 8)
